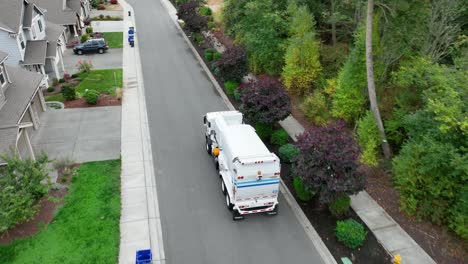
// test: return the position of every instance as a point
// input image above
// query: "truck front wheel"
(208, 146)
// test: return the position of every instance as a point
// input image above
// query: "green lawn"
(85, 229)
(55, 97)
(114, 39)
(101, 81)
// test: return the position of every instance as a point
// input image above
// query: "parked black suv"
(92, 45)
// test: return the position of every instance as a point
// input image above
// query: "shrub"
(101, 16)
(208, 55)
(205, 11)
(264, 131)
(211, 25)
(231, 87)
(89, 30)
(101, 7)
(288, 152)
(302, 192)
(198, 38)
(95, 3)
(50, 89)
(74, 75)
(91, 96)
(368, 138)
(87, 21)
(233, 63)
(108, 17)
(328, 162)
(216, 55)
(55, 81)
(84, 66)
(193, 20)
(68, 93)
(315, 108)
(114, 2)
(350, 233)
(20, 187)
(61, 80)
(84, 38)
(66, 76)
(458, 218)
(279, 137)
(339, 206)
(429, 174)
(265, 101)
(237, 95)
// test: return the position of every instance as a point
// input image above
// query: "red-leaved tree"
(233, 63)
(188, 12)
(328, 162)
(264, 100)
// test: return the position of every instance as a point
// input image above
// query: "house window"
(21, 41)
(39, 23)
(2, 78)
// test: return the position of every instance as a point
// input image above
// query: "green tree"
(302, 65)
(20, 187)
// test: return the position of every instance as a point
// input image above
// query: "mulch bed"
(45, 214)
(104, 100)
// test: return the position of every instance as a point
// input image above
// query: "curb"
(327, 257)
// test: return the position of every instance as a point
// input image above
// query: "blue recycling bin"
(144, 256)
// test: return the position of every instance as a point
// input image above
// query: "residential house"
(21, 105)
(23, 35)
(68, 13)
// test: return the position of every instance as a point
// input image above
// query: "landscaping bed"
(102, 83)
(85, 229)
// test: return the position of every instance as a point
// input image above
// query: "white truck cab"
(249, 172)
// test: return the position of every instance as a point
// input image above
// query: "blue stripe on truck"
(255, 181)
(253, 185)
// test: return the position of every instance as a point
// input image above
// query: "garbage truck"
(249, 173)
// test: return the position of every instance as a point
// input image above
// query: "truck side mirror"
(204, 119)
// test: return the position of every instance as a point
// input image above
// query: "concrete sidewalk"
(140, 225)
(392, 237)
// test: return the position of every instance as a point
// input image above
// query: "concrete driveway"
(83, 134)
(109, 60)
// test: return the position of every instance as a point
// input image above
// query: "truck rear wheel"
(223, 187)
(228, 202)
(274, 212)
(236, 216)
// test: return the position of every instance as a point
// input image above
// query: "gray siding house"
(67, 13)
(31, 42)
(21, 106)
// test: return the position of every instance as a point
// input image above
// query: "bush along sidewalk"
(322, 193)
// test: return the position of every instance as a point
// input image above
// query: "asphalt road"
(197, 227)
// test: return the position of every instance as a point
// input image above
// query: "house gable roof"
(24, 85)
(55, 13)
(35, 52)
(53, 31)
(11, 13)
